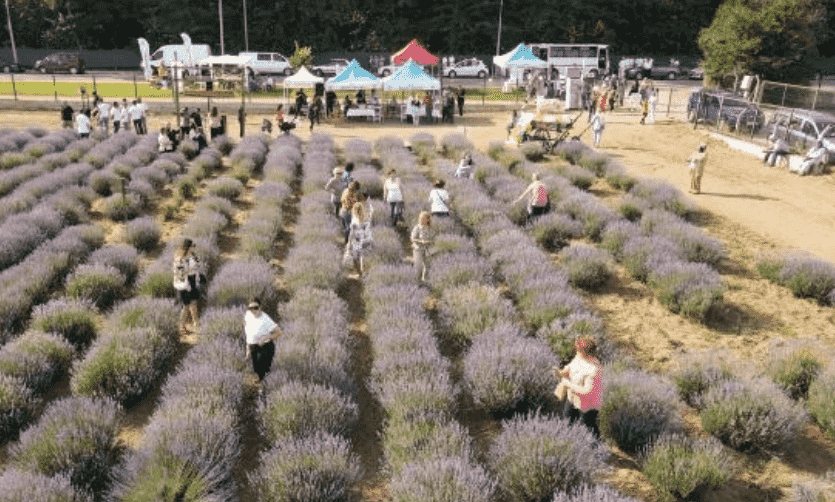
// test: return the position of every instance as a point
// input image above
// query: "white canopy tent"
(302, 79)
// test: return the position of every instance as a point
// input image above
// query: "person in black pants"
(66, 116)
(261, 332)
(461, 93)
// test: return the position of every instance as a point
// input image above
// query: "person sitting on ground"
(465, 167)
(581, 385)
(537, 198)
(814, 161)
(777, 147)
(261, 332)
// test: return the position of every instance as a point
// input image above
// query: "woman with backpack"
(537, 197)
(188, 276)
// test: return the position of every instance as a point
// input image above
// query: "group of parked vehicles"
(68, 62)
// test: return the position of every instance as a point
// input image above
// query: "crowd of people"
(123, 116)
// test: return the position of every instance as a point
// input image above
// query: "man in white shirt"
(115, 116)
(104, 117)
(124, 117)
(82, 123)
(136, 116)
(261, 332)
(143, 113)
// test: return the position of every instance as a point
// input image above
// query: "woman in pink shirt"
(581, 385)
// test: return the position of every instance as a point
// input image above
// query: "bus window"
(557, 52)
(587, 52)
(543, 53)
(602, 58)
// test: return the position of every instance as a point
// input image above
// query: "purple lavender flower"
(587, 267)
(240, 280)
(142, 233)
(294, 408)
(17, 485)
(592, 493)
(455, 477)
(38, 359)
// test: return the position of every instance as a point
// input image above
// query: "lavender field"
(385, 387)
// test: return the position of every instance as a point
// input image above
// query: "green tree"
(772, 38)
(303, 56)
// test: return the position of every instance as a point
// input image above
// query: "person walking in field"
(124, 115)
(439, 200)
(653, 103)
(348, 199)
(598, 124)
(360, 239)
(82, 123)
(644, 110)
(697, 168)
(188, 274)
(261, 332)
(104, 117)
(422, 240)
(537, 198)
(581, 385)
(393, 195)
(115, 116)
(66, 116)
(335, 186)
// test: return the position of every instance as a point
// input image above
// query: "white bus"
(573, 60)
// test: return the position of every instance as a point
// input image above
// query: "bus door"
(603, 59)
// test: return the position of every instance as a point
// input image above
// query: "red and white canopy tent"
(415, 51)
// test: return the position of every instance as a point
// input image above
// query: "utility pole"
(499, 37)
(11, 33)
(246, 33)
(220, 15)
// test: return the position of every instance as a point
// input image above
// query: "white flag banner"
(187, 59)
(145, 53)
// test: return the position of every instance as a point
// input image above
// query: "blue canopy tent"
(353, 77)
(411, 76)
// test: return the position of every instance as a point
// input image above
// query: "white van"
(168, 54)
(268, 63)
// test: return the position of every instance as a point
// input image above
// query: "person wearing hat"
(336, 185)
(697, 168)
(261, 332)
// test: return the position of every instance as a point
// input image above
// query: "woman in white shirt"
(261, 332)
(439, 200)
(393, 195)
(581, 385)
(82, 123)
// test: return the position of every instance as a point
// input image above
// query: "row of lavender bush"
(63, 148)
(543, 465)
(20, 147)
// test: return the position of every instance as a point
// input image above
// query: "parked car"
(697, 73)
(334, 67)
(268, 63)
(730, 111)
(9, 67)
(646, 67)
(60, 61)
(467, 68)
(389, 69)
(802, 128)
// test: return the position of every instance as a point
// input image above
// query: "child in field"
(422, 240)
(581, 386)
(360, 239)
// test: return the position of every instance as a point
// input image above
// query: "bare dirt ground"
(750, 207)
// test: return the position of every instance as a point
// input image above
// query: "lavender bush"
(193, 455)
(588, 211)
(317, 265)
(73, 319)
(752, 415)
(454, 145)
(205, 388)
(222, 323)
(318, 467)
(662, 195)
(459, 269)
(548, 298)
(226, 187)
(142, 233)
(103, 182)
(358, 151)
(122, 365)
(240, 280)
(221, 354)
(424, 439)
(633, 208)
(470, 309)
(678, 466)
(553, 230)
(101, 284)
(639, 252)
(445, 479)
(161, 314)
(17, 407)
(536, 455)
(637, 408)
(505, 370)
(615, 235)
(38, 359)
(561, 334)
(580, 177)
(432, 397)
(794, 364)
(595, 162)
(294, 409)
(22, 486)
(808, 277)
(820, 403)
(592, 493)
(122, 257)
(695, 245)
(324, 361)
(587, 267)
(690, 289)
(571, 150)
(76, 437)
(120, 207)
(819, 489)
(697, 372)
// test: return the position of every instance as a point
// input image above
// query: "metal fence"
(776, 94)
